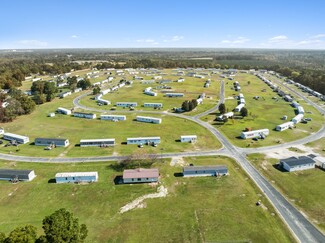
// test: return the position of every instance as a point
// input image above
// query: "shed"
(140, 175)
(21, 175)
(76, 177)
(300, 163)
(210, 170)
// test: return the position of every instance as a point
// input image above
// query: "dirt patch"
(138, 203)
(285, 153)
(177, 161)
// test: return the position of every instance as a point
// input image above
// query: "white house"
(300, 163)
(113, 117)
(188, 138)
(255, 133)
(64, 111)
(284, 126)
(148, 119)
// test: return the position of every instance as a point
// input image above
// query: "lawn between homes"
(38, 124)
(195, 209)
(304, 189)
(266, 112)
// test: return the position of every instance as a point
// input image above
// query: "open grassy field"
(305, 189)
(61, 126)
(263, 113)
(192, 88)
(205, 209)
(318, 146)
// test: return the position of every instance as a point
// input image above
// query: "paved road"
(297, 223)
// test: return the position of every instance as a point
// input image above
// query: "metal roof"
(293, 161)
(141, 173)
(52, 139)
(205, 168)
(98, 140)
(76, 174)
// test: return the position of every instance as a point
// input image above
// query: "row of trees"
(189, 105)
(59, 227)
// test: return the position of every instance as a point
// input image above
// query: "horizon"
(100, 24)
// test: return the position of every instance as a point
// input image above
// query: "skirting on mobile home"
(143, 140)
(97, 142)
(148, 119)
(210, 170)
(76, 177)
(140, 175)
(255, 134)
(113, 117)
(58, 142)
(14, 137)
(16, 175)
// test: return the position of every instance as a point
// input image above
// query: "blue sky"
(286, 24)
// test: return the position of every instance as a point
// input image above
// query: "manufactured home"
(158, 105)
(255, 133)
(297, 118)
(84, 115)
(320, 161)
(148, 119)
(143, 140)
(104, 142)
(211, 170)
(16, 175)
(126, 104)
(299, 163)
(140, 175)
(14, 137)
(58, 142)
(113, 117)
(174, 94)
(188, 138)
(239, 107)
(76, 177)
(225, 116)
(64, 94)
(284, 126)
(300, 110)
(64, 111)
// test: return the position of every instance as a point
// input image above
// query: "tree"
(222, 108)
(2, 237)
(72, 82)
(96, 90)
(185, 106)
(84, 84)
(61, 226)
(25, 234)
(243, 112)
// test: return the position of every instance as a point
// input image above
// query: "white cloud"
(174, 38)
(33, 43)
(317, 36)
(307, 42)
(75, 36)
(146, 41)
(238, 40)
(278, 39)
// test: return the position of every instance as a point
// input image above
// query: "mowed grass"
(61, 126)
(263, 113)
(192, 88)
(305, 189)
(195, 209)
(318, 146)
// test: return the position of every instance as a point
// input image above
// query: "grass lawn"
(195, 210)
(61, 126)
(318, 146)
(263, 113)
(305, 189)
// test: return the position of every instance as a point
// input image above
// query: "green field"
(263, 113)
(205, 209)
(61, 126)
(305, 189)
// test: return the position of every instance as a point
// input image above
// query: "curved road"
(301, 228)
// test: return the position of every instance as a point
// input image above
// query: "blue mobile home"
(212, 170)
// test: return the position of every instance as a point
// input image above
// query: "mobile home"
(104, 142)
(64, 111)
(143, 140)
(188, 138)
(76, 177)
(255, 133)
(14, 137)
(148, 119)
(284, 126)
(58, 142)
(140, 175)
(84, 115)
(113, 117)
(16, 175)
(212, 170)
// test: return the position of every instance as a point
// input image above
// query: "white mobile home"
(126, 104)
(16, 175)
(226, 115)
(104, 142)
(64, 111)
(255, 134)
(14, 137)
(65, 94)
(284, 126)
(174, 95)
(297, 118)
(188, 138)
(300, 110)
(239, 107)
(160, 105)
(320, 161)
(76, 177)
(58, 142)
(143, 140)
(148, 119)
(113, 117)
(84, 115)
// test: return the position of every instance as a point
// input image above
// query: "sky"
(274, 24)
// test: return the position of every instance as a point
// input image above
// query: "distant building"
(140, 175)
(211, 170)
(16, 175)
(76, 177)
(300, 163)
